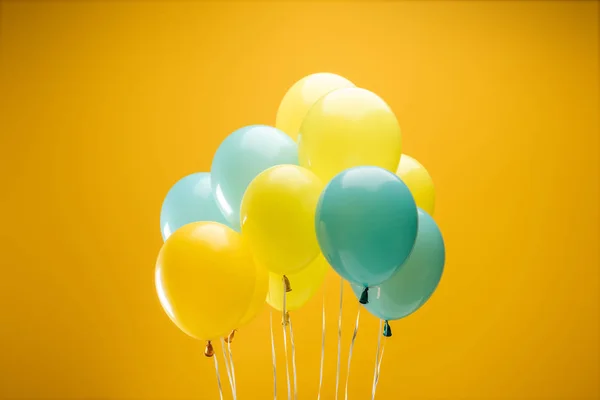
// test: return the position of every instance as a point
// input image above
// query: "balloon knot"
(286, 319)
(364, 297)
(208, 350)
(387, 330)
(286, 282)
(229, 339)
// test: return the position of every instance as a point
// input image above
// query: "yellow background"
(106, 104)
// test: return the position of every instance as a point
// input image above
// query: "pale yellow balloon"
(261, 289)
(348, 128)
(304, 285)
(278, 218)
(418, 180)
(301, 97)
(205, 277)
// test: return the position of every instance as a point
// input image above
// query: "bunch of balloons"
(328, 186)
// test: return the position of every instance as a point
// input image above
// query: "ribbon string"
(218, 377)
(273, 356)
(232, 370)
(322, 351)
(339, 351)
(284, 323)
(376, 359)
(293, 360)
(350, 353)
(225, 358)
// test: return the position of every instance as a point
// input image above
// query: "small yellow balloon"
(348, 128)
(418, 180)
(205, 278)
(261, 289)
(301, 97)
(278, 218)
(304, 285)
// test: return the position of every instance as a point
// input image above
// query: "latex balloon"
(240, 158)
(278, 212)
(205, 279)
(418, 181)
(189, 200)
(347, 128)
(304, 285)
(261, 289)
(409, 288)
(302, 96)
(366, 223)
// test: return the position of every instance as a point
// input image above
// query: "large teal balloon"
(189, 200)
(415, 282)
(366, 222)
(240, 158)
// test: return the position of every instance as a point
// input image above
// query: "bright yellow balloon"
(278, 218)
(301, 97)
(205, 278)
(261, 289)
(348, 128)
(304, 285)
(418, 181)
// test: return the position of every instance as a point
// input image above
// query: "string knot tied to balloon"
(286, 282)
(387, 330)
(286, 319)
(229, 339)
(209, 351)
(364, 296)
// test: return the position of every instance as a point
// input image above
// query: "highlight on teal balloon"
(366, 223)
(189, 200)
(240, 158)
(414, 283)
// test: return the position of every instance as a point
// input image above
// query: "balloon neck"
(387, 330)
(208, 350)
(364, 297)
(231, 336)
(286, 319)
(286, 282)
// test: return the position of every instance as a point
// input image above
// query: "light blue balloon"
(414, 283)
(189, 200)
(240, 158)
(366, 223)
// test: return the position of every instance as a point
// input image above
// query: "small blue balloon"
(415, 282)
(366, 222)
(240, 158)
(189, 200)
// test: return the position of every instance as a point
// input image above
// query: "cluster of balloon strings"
(328, 187)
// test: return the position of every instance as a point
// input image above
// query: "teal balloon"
(240, 158)
(366, 224)
(189, 200)
(414, 283)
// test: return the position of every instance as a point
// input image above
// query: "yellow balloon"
(205, 278)
(304, 285)
(278, 218)
(261, 289)
(418, 181)
(301, 97)
(348, 128)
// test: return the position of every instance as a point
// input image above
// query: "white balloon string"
(339, 352)
(284, 323)
(218, 377)
(293, 360)
(350, 353)
(225, 358)
(379, 366)
(322, 351)
(377, 358)
(273, 355)
(232, 369)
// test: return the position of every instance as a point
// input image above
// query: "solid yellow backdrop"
(106, 104)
